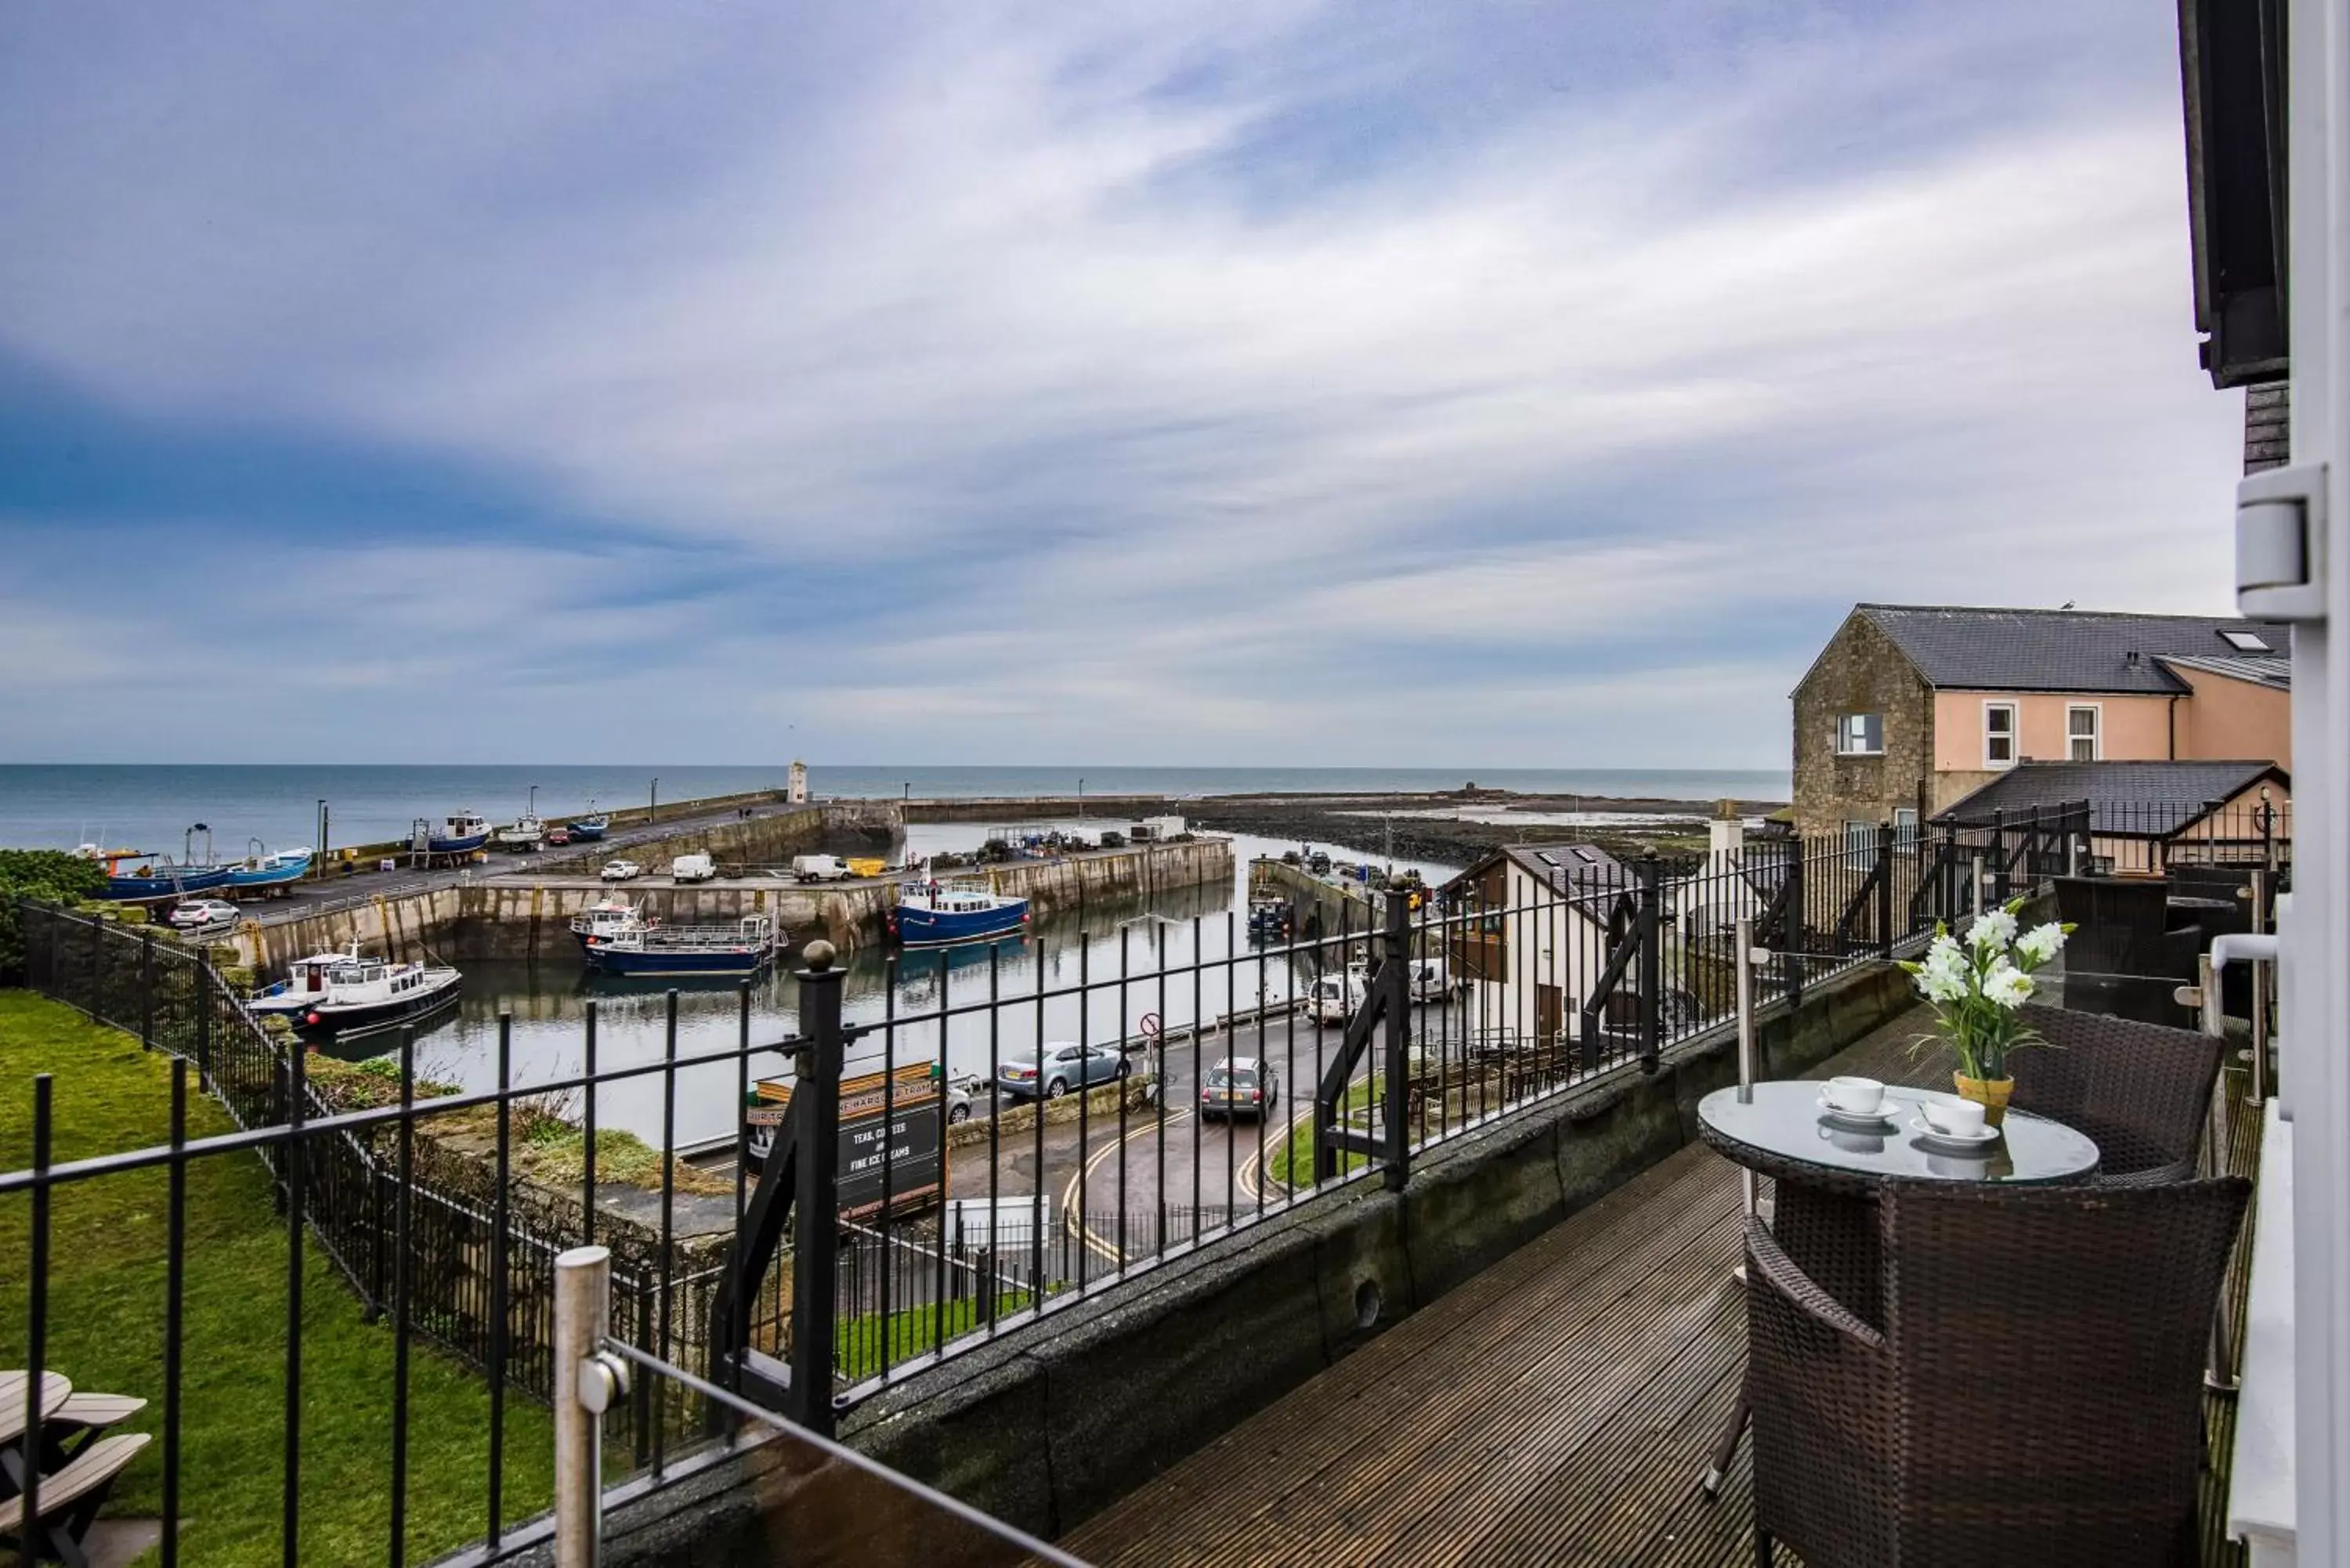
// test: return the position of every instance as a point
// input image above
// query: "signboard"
(1151, 1026)
(911, 1160)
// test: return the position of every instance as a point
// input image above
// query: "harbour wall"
(513, 919)
(769, 840)
(1110, 810)
(620, 818)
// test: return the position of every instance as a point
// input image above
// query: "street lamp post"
(319, 864)
(534, 802)
(1081, 799)
(652, 805)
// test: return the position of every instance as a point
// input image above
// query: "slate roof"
(2124, 797)
(1577, 870)
(2057, 650)
(2274, 673)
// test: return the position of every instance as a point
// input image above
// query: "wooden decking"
(1558, 1408)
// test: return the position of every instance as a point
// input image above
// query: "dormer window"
(1860, 735)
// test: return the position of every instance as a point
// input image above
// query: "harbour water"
(150, 807)
(1133, 938)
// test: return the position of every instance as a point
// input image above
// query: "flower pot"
(1991, 1094)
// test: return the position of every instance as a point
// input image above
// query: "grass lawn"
(857, 1340)
(106, 1328)
(1292, 1162)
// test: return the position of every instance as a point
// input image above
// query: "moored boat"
(588, 828)
(263, 869)
(634, 946)
(930, 912)
(523, 834)
(350, 993)
(460, 834)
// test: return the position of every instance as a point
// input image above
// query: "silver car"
(1066, 1065)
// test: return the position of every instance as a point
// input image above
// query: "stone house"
(1911, 708)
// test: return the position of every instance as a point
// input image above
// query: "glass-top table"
(1785, 1130)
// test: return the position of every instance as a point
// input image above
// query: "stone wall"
(1861, 671)
(511, 919)
(842, 827)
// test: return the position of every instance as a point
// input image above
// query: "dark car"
(1239, 1085)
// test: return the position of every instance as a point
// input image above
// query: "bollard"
(582, 1304)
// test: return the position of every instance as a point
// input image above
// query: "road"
(1164, 1171)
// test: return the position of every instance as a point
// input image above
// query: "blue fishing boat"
(460, 834)
(264, 870)
(648, 949)
(929, 913)
(153, 878)
(588, 828)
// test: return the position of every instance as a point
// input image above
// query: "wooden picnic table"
(55, 1389)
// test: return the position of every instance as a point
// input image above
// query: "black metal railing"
(1206, 1094)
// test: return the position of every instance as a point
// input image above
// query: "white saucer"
(1857, 1119)
(1925, 1128)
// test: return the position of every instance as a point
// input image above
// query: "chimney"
(1726, 834)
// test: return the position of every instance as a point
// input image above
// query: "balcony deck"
(1558, 1408)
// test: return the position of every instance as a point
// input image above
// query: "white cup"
(1861, 1096)
(1960, 1118)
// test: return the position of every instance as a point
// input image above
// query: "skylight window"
(2247, 641)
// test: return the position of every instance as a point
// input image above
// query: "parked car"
(202, 914)
(1066, 1066)
(693, 868)
(1428, 977)
(558, 836)
(1239, 1085)
(819, 869)
(621, 871)
(959, 1093)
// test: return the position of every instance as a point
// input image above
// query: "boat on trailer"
(263, 870)
(590, 827)
(930, 913)
(153, 876)
(523, 834)
(350, 993)
(460, 834)
(616, 939)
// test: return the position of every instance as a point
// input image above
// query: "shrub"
(50, 875)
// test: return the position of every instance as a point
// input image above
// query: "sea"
(165, 808)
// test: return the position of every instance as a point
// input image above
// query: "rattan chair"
(2032, 1397)
(2142, 1092)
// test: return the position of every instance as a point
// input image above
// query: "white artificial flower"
(2007, 986)
(1940, 986)
(1994, 929)
(1945, 949)
(2041, 942)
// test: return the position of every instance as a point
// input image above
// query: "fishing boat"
(1270, 918)
(588, 828)
(930, 912)
(261, 869)
(605, 917)
(153, 876)
(523, 834)
(648, 949)
(348, 992)
(460, 834)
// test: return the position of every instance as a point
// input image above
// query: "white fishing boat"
(350, 993)
(521, 835)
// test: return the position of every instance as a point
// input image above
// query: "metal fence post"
(146, 991)
(583, 1300)
(815, 1205)
(1795, 940)
(1885, 890)
(2260, 976)
(1396, 1039)
(204, 1029)
(1743, 959)
(1652, 969)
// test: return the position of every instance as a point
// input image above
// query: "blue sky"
(1492, 384)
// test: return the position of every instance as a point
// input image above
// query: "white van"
(819, 869)
(693, 868)
(1428, 980)
(1334, 997)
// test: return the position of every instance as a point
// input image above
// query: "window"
(1905, 828)
(2081, 738)
(1860, 735)
(1860, 843)
(1999, 734)
(2246, 641)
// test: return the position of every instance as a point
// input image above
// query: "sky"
(1277, 382)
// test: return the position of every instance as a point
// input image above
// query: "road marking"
(1249, 1171)
(1073, 1219)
